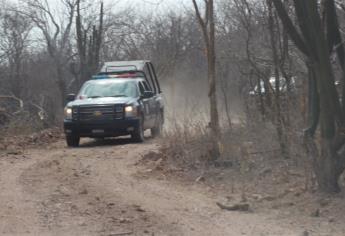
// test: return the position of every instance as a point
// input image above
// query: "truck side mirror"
(70, 97)
(147, 94)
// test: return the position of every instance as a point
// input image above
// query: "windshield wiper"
(114, 96)
(118, 96)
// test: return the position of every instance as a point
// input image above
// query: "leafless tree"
(89, 42)
(15, 30)
(56, 33)
(317, 36)
(207, 24)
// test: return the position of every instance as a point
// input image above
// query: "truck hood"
(102, 101)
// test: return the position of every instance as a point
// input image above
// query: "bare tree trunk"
(278, 117)
(320, 34)
(226, 102)
(211, 55)
(61, 83)
(208, 28)
(89, 46)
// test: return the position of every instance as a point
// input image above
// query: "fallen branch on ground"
(235, 207)
(20, 102)
(124, 233)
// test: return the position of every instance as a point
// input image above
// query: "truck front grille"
(100, 112)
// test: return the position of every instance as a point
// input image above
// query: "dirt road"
(99, 189)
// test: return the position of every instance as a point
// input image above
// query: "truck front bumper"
(100, 128)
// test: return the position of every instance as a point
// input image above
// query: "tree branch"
(295, 36)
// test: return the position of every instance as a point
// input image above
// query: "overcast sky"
(152, 5)
(140, 6)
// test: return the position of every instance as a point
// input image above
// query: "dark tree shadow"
(118, 141)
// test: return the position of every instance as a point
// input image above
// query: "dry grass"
(21, 141)
(251, 156)
(23, 123)
(259, 175)
(186, 141)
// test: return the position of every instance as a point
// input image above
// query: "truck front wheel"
(72, 140)
(138, 134)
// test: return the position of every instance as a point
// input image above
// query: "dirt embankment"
(102, 188)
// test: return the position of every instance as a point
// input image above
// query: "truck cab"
(124, 98)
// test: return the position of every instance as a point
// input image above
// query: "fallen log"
(235, 207)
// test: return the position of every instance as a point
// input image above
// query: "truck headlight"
(130, 111)
(68, 113)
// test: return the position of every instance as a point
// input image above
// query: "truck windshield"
(108, 88)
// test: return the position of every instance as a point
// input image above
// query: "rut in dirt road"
(98, 190)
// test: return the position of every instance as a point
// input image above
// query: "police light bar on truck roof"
(112, 76)
(116, 66)
(143, 69)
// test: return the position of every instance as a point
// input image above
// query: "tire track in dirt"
(17, 211)
(96, 190)
(72, 204)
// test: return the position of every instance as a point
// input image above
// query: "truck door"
(148, 106)
(157, 99)
(154, 76)
(149, 78)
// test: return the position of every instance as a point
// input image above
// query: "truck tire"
(138, 134)
(157, 130)
(72, 140)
